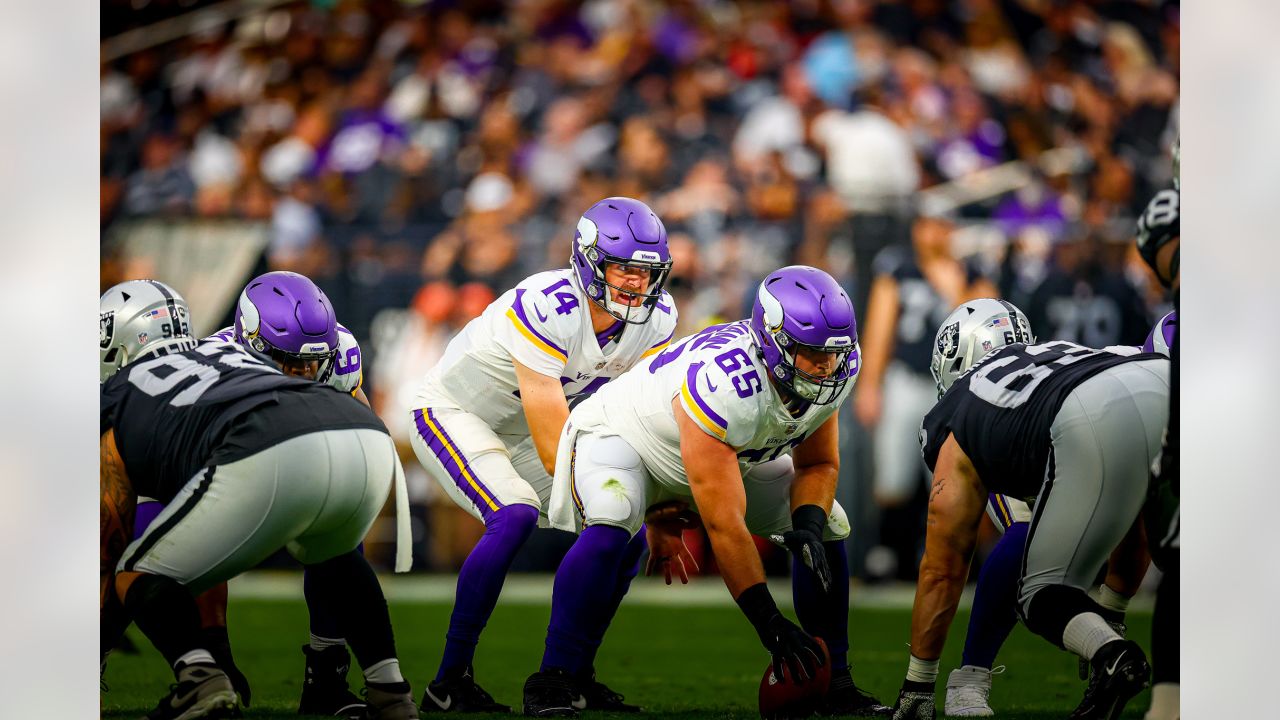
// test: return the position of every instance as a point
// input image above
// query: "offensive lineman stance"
(490, 413)
(248, 460)
(1074, 427)
(739, 422)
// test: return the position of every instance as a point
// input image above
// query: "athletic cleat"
(459, 693)
(389, 701)
(202, 691)
(552, 693)
(1116, 621)
(969, 692)
(844, 698)
(1120, 671)
(324, 689)
(601, 697)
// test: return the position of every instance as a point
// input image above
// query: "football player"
(995, 599)
(247, 460)
(1159, 239)
(287, 317)
(1072, 427)
(489, 414)
(738, 422)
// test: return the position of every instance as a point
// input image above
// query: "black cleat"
(1120, 671)
(459, 693)
(202, 691)
(324, 688)
(552, 693)
(844, 698)
(389, 701)
(601, 697)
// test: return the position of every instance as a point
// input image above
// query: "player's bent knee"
(1047, 610)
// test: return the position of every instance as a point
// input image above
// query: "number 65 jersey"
(1001, 410)
(721, 383)
(545, 323)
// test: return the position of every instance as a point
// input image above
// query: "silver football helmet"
(971, 332)
(138, 317)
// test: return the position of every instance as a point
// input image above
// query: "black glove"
(915, 702)
(785, 641)
(219, 646)
(804, 540)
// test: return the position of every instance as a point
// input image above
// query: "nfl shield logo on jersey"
(106, 329)
(949, 340)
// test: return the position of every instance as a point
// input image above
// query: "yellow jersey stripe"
(537, 341)
(700, 416)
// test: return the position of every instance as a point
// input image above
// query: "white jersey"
(545, 323)
(347, 374)
(722, 384)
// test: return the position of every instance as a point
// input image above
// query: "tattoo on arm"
(118, 503)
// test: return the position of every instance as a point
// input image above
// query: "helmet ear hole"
(111, 355)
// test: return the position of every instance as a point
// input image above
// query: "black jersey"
(175, 414)
(1096, 309)
(920, 309)
(1002, 409)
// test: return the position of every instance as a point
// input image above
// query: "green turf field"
(690, 662)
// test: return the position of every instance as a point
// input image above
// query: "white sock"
(384, 673)
(322, 643)
(1164, 702)
(1111, 600)
(1087, 632)
(199, 655)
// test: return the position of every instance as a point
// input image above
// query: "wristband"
(925, 671)
(758, 605)
(809, 518)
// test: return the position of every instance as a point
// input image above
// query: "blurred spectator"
(1086, 299)
(162, 185)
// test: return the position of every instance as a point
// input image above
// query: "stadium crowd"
(418, 159)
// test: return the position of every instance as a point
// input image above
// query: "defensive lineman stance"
(247, 460)
(738, 421)
(995, 598)
(1073, 427)
(490, 413)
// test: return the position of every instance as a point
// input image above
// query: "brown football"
(785, 698)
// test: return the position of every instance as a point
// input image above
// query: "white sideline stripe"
(536, 590)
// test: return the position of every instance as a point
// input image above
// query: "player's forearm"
(735, 554)
(116, 508)
(815, 485)
(937, 595)
(546, 438)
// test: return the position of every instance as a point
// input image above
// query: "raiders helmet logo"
(106, 329)
(949, 340)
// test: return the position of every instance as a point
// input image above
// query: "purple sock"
(581, 602)
(825, 614)
(995, 610)
(144, 516)
(630, 567)
(480, 582)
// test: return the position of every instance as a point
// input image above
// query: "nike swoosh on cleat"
(442, 704)
(1111, 670)
(580, 703)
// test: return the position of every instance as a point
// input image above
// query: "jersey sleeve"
(664, 320)
(933, 433)
(226, 334)
(348, 366)
(534, 334)
(705, 397)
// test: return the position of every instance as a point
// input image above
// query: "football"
(785, 698)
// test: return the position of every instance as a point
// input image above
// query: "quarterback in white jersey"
(488, 416)
(738, 422)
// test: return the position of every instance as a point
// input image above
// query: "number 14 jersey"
(545, 323)
(1002, 409)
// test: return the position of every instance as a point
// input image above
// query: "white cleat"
(968, 692)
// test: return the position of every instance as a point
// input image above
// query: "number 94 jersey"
(1001, 411)
(722, 384)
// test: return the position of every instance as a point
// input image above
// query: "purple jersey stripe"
(691, 381)
(518, 306)
(454, 462)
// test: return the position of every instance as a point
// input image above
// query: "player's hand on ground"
(793, 647)
(668, 553)
(216, 642)
(672, 515)
(915, 702)
(808, 547)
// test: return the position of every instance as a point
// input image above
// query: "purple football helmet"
(1161, 337)
(804, 306)
(284, 315)
(621, 231)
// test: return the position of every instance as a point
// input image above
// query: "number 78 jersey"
(722, 383)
